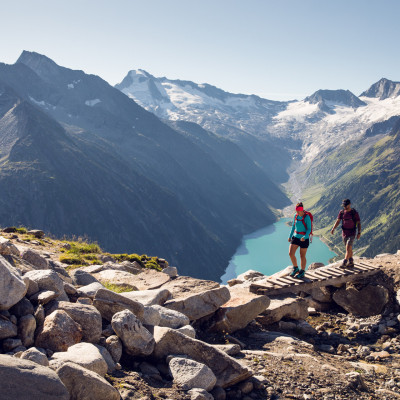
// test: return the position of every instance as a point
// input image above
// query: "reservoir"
(267, 251)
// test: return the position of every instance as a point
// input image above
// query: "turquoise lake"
(266, 251)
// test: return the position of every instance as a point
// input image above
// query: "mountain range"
(79, 157)
(340, 145)
(182, 170)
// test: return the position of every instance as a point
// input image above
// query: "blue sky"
(281, 49)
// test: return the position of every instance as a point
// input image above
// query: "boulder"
(90, 290)
(171, 318)
(34, 258)
(200, 394)
(242, 307)
(109, 303)
(23, 379)
(35, 355)
(7, 329)
(365, 302)
(151, 316)
(114, 346)
(147, 279)
(26, 329)
(149, 297)
(227, 370)
(43, 297)
(188, 330)
(81, 277)
(315, 265)
(12, 285)
(84, 384)
(189, 374)
(198, 305)
(172, 272)
(321, 294)
(10, 344)
(87, 316)
(284, 307)
(250, 275)
(7, 248)
(137, 340)
(23, 307)
(47, 280)
(87, 355)
(59, 332)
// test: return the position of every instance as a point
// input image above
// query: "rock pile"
(64, 335)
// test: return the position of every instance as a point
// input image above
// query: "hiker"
(350, 223)
(299, 237)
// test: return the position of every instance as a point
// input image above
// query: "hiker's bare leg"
(292, 254)
(349, 251)
(303, 258)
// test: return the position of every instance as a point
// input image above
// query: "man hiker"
(350, 224)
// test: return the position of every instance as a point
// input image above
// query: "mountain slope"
(192, 205)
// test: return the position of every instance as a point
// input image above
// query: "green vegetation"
(79, 253)
(21, 229)
(117, 288)
(128, 257)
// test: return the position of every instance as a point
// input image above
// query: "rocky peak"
(383, 89)
(335, 97)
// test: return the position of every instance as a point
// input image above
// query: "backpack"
(353, 217)
(305, 226)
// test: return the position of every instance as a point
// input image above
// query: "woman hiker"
(299, 237)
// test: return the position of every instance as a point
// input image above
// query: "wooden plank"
(334, 272)
(313, 276)
(325, 274)
(367, 266)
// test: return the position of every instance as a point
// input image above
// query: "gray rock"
(171, 318)
(47, 280)
(151, 316)
(200, 394)
(37, 233)
(109, 303)
(26, 329)
(87, 316)
(82, 278)
(188, 330)
(198, 305)
(10, 344)
(107, 357)
(172, 272)
(315, 265)
(227, 370)
(242, 307)
(189, 374)
(149, 297)
(23, 307)
(35, 355)
(34, 258)
(84, 384)
(117, 278)
(230, 349)
(7, 329)
(137, 340)
(69, 288)
(90, 290)
(284, 307)
(24, 379)
(59, 332)
(114, 346)
(365, 302)
(43, 297)
(33, 287)
(7, 247)
(87, 355)
(12, 285)
(250, 275)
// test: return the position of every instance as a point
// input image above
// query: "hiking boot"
(301, 274)
(351, 263)
(295, 271)
(344, 264)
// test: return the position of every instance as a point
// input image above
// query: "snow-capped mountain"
(212, 108)
(322, 121)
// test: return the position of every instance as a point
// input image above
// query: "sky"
(277, 49)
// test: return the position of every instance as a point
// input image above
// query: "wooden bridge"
(324, 276)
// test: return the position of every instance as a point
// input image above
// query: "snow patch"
(92, 103)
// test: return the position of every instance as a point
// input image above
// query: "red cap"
(299, 208)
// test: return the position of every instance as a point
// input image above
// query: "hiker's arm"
(292, 230)
(359, 229)
(335, 226)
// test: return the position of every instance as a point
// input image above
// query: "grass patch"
(117, 288)
(21, 229)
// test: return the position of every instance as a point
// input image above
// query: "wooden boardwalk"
(325, 276)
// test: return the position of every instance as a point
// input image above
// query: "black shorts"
(298, 242)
